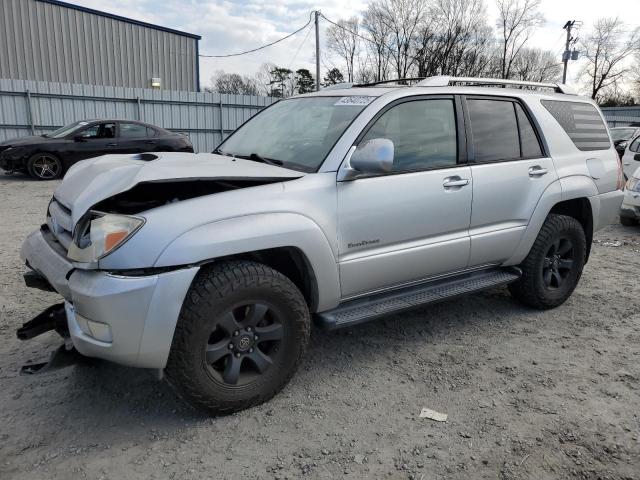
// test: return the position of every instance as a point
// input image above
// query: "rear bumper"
(630, 205)
(125, 319)
(605, 208)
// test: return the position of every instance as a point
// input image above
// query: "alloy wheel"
(244, 344)
(46, 167)
(558, 263)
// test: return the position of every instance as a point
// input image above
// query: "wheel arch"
(580, 209)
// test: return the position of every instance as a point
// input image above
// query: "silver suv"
(338, 206)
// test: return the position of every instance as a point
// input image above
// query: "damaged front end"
(52, 318)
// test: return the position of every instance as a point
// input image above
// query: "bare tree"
(402, 18)
(607, 49)
(378, 50)
(235, 83)
(517, 20)
(263, 79)
(536, 65)
(342, 39)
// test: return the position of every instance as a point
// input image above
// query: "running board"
(373, 306)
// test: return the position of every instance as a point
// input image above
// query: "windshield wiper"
(259, 158)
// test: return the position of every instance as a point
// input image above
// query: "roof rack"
(444, 81)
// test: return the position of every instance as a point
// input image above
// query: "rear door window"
(494, 130)
(133, 130)
(581, 122)
(635, 145)
(528, 139)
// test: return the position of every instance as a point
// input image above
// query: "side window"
(132, 130)
(494, 130)
(99, 130)
(635, 145)
(529, 141)
(581, 122)
(423, 133)
(151, 132)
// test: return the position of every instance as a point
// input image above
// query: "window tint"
(151, 132)
(99, 130)
(132, 130)
(581, 122)
(423, 133)
(635, 145)
(529, 141)
(494, 128)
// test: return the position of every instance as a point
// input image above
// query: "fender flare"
(566, 188)
(252, 233)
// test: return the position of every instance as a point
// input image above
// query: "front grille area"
(60, 223)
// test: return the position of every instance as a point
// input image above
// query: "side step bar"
(367, 308)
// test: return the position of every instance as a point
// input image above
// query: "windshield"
(622, 133)
(64, 131)
(297, 133)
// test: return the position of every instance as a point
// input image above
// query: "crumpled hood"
(91, 181)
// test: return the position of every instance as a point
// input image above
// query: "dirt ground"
(529, 394)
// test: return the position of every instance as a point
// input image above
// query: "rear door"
(133, 138)
(510, 173)
(631, 158)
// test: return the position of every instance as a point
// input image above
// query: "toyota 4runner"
(339, 206)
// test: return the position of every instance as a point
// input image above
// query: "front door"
(510, 174)
(412, 223)
(95, 140)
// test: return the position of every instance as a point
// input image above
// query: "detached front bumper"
(125, 319)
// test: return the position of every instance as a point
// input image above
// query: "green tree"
(280, 80)
(304, 81)
(333, 76)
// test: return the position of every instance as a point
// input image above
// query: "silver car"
(339, 206)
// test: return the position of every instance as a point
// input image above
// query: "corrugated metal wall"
(28, 108)
(621, 116)
(45, 41)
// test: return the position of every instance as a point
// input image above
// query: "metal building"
(50, 40)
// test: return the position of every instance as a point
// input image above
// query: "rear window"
(582, 122)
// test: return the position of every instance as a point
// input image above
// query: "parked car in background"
(48, 156)
(630, 210)
(631, 157)
(621, 137)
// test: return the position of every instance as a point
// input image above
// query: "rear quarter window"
(581, 122)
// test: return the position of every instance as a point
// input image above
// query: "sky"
(234, 26)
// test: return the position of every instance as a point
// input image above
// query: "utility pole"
(567, 53)
(317, 15)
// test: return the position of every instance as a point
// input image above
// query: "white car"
(631, 158)
(630, 210)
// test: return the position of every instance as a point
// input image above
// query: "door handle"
(150, 141)
(456, 181)
(537, 171)
(112, 144)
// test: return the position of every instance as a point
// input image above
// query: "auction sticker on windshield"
(354, 100)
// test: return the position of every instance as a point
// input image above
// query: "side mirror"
(373, 156)
(78, 138)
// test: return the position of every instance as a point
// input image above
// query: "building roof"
(119, 18)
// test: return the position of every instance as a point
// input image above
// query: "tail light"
(620, 185)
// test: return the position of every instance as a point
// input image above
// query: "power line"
(263, 46)
(299, 48)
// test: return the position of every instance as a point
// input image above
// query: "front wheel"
(241, 334)
(554, 265)
(44, 166)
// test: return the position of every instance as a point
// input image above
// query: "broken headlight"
(97, 234)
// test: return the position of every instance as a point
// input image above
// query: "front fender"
(251, 233)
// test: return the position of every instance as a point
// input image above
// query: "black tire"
(229, 297)
(44, 166)
(547, 277)
(628, 222)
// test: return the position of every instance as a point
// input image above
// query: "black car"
(50, 155)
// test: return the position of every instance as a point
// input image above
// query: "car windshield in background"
(622, 133)
(297, 133)
(64, 131)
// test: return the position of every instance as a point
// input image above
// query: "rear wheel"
(554, 265)
(241, 334)
(44, 166)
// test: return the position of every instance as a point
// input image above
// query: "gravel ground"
(530, 395)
